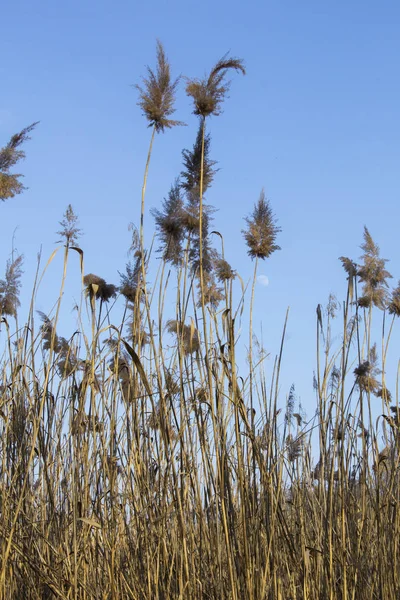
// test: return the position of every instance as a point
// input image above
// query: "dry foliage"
(138, 462)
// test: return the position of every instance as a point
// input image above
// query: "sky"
(315, 122)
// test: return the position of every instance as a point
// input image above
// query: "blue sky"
(315, 122)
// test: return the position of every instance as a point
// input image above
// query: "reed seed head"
(394, 303)
(366, 373)
(187, 335)
(70, 230)
(96, 287)
(208, 94)
(212, 293)
(170, 225)
(10, 155)
(157, 95)
(48, 333)
(191, 173)
(132, 279)
(223, 270)
(294, 447)
(372, 274)
(262, 230)
(349, 266)
(10, 287)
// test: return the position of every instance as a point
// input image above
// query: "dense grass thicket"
(134, 461)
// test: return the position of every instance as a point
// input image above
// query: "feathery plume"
(192, 166)
(10, 155)
(367, 372)
(290, 404)
(372, 274)
(68, 361)
(70, 230)
(213, 294)
(47, 331)
(186, 334)
(132, 278)
(294, 447)
(385, 394)
(262, 230)
(157, 96)
(170, 225)
(96, 287)
(223, 270)
(10, 287)
(394, 303)
(349, 266)
(209, 93)
(191, 221)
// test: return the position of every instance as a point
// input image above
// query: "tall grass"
(136, 463)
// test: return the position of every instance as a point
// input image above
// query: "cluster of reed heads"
(136, 462)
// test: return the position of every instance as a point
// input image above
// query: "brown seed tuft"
(96, 287)
(187, 335)
(157, 96)
(394, 303)
(209, 93)
(262, 230)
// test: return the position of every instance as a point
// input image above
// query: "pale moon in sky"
(263, 279)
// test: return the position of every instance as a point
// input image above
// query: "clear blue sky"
(315, 121)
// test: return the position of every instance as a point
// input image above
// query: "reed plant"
(135, 462)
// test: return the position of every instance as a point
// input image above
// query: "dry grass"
(135, 463)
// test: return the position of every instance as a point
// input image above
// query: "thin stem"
(146, 172)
